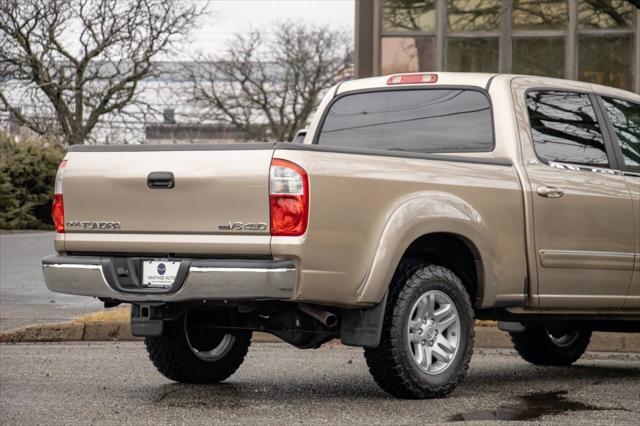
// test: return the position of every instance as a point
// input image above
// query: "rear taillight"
(288, 198)
(57, 209)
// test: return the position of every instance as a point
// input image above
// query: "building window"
(473, 54)
(606, 14)
(407, 54)
(466, 50)
(542, 56)
(473, 15)
(534, 37)
(606, 59)
(539, 15)
(606, 42)
(403, 15)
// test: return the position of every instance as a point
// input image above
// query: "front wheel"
(191, 352)
(551, 346)
(427, 336)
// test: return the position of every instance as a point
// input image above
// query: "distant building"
(169, 131)
(588, 40)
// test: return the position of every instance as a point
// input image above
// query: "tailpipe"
(325, 317)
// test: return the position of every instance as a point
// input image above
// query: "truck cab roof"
(481, 80)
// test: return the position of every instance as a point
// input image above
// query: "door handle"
(157, 180)
(550, 192)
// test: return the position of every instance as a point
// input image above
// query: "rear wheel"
(551, 346)
(189, 352)
(427, 336)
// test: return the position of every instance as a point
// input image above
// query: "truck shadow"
(262, 392)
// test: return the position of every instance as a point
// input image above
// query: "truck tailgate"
(107, 193)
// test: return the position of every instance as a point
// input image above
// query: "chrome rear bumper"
(209, 279)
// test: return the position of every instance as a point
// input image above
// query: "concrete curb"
(89, 332)
(486, 337)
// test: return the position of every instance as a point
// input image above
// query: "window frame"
(484, 92)
(612, 158)
(617, 149)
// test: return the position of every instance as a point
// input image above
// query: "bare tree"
(82, 58)
(268, 86)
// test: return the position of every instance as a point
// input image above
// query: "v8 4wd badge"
(240, 226)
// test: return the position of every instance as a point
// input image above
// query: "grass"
(121, 314)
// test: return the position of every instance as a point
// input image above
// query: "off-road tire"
(174, 359)
(391, 363)
(535, 346)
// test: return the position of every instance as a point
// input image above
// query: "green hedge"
(27, 176)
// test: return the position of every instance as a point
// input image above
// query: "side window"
(625, 118)
(565, 128)
(420, 120)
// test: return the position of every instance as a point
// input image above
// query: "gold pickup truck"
(416, 203)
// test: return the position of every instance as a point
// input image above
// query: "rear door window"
(420, 120)
(625, 119)
(565, 129)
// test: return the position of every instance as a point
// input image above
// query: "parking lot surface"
(24, 298)
(114, 382)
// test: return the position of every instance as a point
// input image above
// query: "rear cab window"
(429, 120)
(565, 128)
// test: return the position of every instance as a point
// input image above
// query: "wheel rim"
(209, 347)
(433, 332)
(563, 338)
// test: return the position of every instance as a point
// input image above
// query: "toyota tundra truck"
(416, 204)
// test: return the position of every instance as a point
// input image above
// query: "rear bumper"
(210, 279)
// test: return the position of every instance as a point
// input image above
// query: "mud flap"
(363, 327)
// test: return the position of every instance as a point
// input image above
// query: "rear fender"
(418, 215)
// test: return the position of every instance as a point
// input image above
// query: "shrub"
(27, 175)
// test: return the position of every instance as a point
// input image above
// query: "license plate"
(159, 273)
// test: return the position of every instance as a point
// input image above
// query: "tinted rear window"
(424, 121)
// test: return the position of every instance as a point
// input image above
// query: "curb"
(89, 332)
(486, 337)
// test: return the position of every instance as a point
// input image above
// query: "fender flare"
(421, 214)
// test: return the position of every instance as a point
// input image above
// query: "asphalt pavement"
(115, 383)
(24, 298)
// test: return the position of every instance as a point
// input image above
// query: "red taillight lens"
(288, 198)
(57, 209)
(57, 212)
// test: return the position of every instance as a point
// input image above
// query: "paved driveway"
(24, 299)
(115, 383)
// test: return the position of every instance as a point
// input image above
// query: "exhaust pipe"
(325, 317)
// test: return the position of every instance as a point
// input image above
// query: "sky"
(233, 16)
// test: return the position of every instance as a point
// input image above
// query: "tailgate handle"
(159, 180)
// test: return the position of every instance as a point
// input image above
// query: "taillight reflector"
(288, 198)
(57, 209)
(57, 212)
(412, 79)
